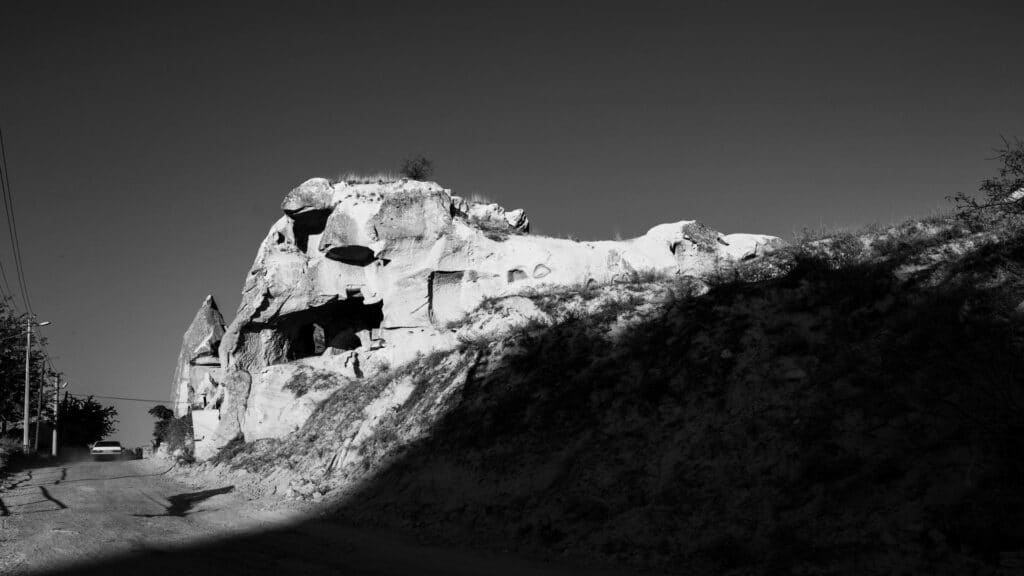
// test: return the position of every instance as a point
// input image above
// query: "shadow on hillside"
(318, 547)
(821, 423)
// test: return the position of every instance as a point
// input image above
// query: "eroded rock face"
(199, 361)
(358, 276)
(287, 396)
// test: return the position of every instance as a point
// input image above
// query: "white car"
(106, 449)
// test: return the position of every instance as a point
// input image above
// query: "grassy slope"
(834, 420)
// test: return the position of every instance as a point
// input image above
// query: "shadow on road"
(46, 494)
(181, 504)
(47, 497)
(62, 481)
(28, 476)
(64, 474)
(27, 468)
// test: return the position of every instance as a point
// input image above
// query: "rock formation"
(358, 277)
(198, 373)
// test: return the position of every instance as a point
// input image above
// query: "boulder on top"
(494, 217)
(312, 195)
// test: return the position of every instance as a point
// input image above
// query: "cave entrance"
(343, 325)
(354, 255)
(308, 224)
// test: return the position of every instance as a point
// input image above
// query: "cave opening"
(342, 325)
(354, 255)
(306, 224)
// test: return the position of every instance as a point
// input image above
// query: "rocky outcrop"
(198, 368)
(360, 276)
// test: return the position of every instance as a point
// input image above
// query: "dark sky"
(150, 143)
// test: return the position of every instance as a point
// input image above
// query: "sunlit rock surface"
(198, 369)
(356, 277)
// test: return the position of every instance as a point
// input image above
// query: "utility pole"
(28, 357)
(56, 416)
(39, 414)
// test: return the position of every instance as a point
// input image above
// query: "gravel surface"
(144, 517)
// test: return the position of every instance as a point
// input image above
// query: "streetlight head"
(43, 324)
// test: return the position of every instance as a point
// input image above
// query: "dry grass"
(352, 178)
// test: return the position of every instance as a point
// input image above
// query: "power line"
(118, 398)
(15, 239)
(6, 286)
(3, 272)
(46, 355)
(12, 225)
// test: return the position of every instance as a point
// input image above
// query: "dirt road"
(87, 510)
(134, 517)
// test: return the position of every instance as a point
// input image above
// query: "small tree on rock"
(163, 416)
(417, 168)
(161, 412)
(174, 433)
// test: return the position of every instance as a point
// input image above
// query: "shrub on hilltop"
(417, 168)
(1003, 193)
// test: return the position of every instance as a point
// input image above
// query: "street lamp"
(28, 357)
